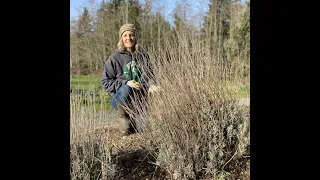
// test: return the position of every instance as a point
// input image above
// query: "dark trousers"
(123, 98)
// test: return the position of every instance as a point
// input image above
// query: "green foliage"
(244, 32)
(238, 45)
(134, 10)
(214, 27)
(114, 4)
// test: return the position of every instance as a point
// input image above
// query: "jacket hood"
(123, 52)
(126, 52)
(118, 51)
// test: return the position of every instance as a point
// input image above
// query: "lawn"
(85, 82)
(87, 91)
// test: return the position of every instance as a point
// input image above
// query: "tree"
(84, 26)
(238, 45)
(216, 25)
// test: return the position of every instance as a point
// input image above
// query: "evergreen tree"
(216, 25)
(84, 24)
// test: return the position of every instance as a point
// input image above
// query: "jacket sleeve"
(109, 79)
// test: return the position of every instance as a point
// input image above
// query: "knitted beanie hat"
(126, 27)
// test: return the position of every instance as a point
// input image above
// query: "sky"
(74, 4)
(77, 6)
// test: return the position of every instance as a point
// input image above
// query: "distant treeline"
(225, 28)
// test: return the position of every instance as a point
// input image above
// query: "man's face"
(128, 39)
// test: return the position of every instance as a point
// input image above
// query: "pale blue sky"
(74, 4)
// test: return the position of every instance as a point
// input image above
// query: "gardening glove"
(133, 84)
(152, 89)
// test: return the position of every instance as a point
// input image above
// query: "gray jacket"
(124, 66)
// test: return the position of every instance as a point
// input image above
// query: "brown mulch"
(240, 168)
(130, 159)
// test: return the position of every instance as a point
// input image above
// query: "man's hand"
(133, 84)
(152, 89)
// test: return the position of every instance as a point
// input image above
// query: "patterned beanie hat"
(126, 27)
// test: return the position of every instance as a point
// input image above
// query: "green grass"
(239, 90)
(244, 92)
(85, 82)
(91, 84)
